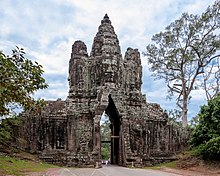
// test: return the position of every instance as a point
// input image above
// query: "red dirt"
(195, 171)
(193, 166)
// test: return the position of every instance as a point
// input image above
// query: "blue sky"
(47, 30)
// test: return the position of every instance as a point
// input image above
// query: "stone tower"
(68, 132)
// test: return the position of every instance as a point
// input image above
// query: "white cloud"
(58, 88)
(52, 94)
(47, 29)
(197, 6)
(55, 61)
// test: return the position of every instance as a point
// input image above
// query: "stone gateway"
(68, 132)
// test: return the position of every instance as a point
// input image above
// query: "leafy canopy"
(209, 122)
(206, 135)
(19, 79)
(181, 53)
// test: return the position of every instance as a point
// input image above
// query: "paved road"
(107, 171)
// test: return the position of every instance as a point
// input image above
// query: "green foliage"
(105, 152)
(212, 149)
(105, 131)
(206, 135)
(6, 128)
(194, 121)
(174, 117)
(105, 136)
(19, 79)
(196, 151)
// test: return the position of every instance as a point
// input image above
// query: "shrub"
(6, 128)
(211, 149)
(206, 135)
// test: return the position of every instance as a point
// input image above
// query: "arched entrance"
(115, 125)
(105, 133)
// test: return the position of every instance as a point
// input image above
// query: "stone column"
(97, 141)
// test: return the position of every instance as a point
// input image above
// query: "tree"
(6, 129)
(105, 138)
(19, 79)
(211, 80)
(181, 53)
(105, 131)
(206, 134)
(174, 116)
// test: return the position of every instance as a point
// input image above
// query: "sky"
(47, 30)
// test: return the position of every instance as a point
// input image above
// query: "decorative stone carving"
(68, 132)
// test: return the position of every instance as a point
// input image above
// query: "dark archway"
(115, 125)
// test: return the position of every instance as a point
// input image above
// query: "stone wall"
(68, 132)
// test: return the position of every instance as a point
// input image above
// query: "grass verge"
(12, 166)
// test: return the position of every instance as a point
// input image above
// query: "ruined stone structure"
(68, 132)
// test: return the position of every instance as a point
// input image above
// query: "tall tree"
(183, 50)
(211, 80)
(19, 79)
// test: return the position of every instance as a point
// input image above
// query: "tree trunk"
(185, 103)
(184, 112)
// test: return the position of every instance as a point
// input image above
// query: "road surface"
(107, 171)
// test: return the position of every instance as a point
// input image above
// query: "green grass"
(12, 166)
(159, 166)
(194, 152)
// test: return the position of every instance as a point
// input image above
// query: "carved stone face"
(79, 48)
(68, 132)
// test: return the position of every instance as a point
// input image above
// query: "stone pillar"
(97, 141)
